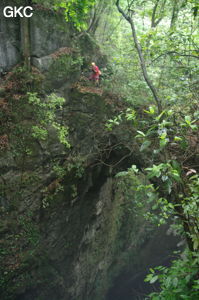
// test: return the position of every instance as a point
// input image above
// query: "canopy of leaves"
(75, 11)
(167, 37)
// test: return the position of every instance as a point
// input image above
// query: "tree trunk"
(141, 58)
(25, 40)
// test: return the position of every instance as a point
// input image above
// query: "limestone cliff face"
(61, 233)
(9, 41)
(67, 226)
(48, 32)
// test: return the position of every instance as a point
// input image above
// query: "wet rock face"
(48, 32)
(156, 251)
(59, 233)
(43, 63)
(62, 235)
(9, 41)
(68, 238)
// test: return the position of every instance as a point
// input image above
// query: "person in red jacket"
(95, 73)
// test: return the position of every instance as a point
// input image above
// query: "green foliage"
(75, 165)
(167, 173)
(50, 196)
(63, 68)
(20, 246)
(144, 194)
(113, 122)
(165, 129)
(170, 192)
(59, 171)
(180, 197)
(29, 231)
(39, 133)
(169, 48)
(180, 281)
(62, 134)
(75, 10)
(45, 112)
(129, 115)
(190, 206)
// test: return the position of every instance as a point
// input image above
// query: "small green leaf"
(164, 178)
(151, 110)
(141, 133)
(175, 282)
(177, 138)
(188, 120)
(160, 115)
(154, 279)
(145, 145)
(163, 143)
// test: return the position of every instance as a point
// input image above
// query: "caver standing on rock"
(95, 76)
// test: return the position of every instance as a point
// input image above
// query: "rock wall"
(48, 32)
(60, 236)
(68, 238)
(9, 41)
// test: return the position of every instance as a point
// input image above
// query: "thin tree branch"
(141, 57)
(175, 53)
(154, 13)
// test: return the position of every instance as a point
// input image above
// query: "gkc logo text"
(14, 12)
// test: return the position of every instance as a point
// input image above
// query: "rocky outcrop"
(68, 226)
(10, 41)
(48, 32)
